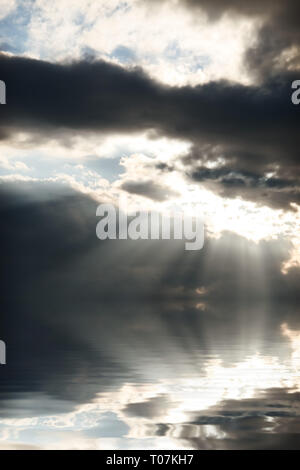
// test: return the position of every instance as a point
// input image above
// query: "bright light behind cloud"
(68, 157)
(171, 46)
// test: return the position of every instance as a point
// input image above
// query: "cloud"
(148, 189)
(6, 7)
(168, 43)
(278, 39)
(252, 127)
(229, 182)
(152, 408)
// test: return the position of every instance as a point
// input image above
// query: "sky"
(171, 103)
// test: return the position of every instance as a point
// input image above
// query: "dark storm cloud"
(230, 182)
(76, 307)
(255, 129)
(279, 33)
(84, 95)
(267, 176)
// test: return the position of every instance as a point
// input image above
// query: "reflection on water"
(162, 379)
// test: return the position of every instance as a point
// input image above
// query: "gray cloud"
(254, 129)
(148, 189)
(229, 182)
(154, 407)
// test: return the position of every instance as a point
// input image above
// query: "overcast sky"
(182, 103)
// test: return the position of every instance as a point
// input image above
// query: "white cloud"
(167, 42)
(6, 7)
(7, 164)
